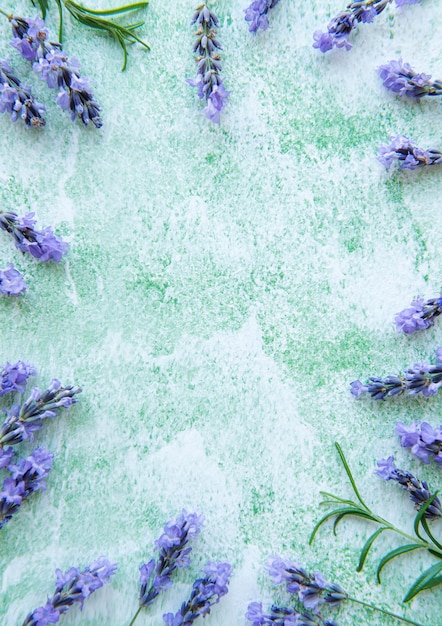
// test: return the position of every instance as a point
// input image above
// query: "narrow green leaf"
(367, 546)
(420, 514)
(349, 474)
(43, 4)
(409, 547)
(136, 6)
(424, 581)
(351, 511)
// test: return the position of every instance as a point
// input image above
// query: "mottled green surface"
(223, 287)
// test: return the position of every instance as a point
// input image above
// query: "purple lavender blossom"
(419, 315)
(208, 81)
(341, 26)
(27, 476)
(31, 39)
(156, 576)
(256, 14)
(14, 377)
(42, 244)
(22, 421)
(72, 587)
(424, 441)
(420, 378)
(418, 491)
(11, 281)
(283, 616)
(206, 593)
(403, 80)
(17, 100)
(403, 151)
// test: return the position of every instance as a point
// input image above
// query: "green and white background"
(223, 287)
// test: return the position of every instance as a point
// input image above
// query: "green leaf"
(367, 546)
(420, 514)
(426, 527)
(136, 6)
(409, 547)
(426, 580)
(340, 514)
(43, 4)
(349, 474)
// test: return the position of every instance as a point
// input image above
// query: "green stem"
(8, 15)
(384, 611)
(139, 611)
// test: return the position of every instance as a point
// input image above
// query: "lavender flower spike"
(17, 99)
(206, 593)
(11, 281)
(42, 244)
(208, 81)
(14, 377)
(418, 491)
(256, 14)
(22, 421)
(419, 315)
(403, 151)
(341, 26)
(27, 476)
(403, 80)
(424, 441)
(72, 587)
(283, 616)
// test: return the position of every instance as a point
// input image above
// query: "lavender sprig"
(421, 378)
(42, 244)
(208, 81)
(424, 441)
(27, 476)
(22, 421)
(72, 587)
(11, 281)
(31, 39)
(419, 315)
(418, 491)
(17, 99)
(403, 151)
(156, 576)
(403, 80)
(256, 14)
(14, 377)
(206, 592)
(283, 616)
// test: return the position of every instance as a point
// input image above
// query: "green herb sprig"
(423, 538)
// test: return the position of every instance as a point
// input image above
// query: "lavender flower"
(206, 593)
(403, 80)
(14, 377)
(312, 589)
(31, 39)
(283, 616)
(208, 81)
(421, 378)
(27, 476)
(418, 491)
(22, 421)
(42, 244)
(11, 281)
(406, 154)
(17, 99)
(424, 441)
(72, 587)
(256, 14)
(419, 315)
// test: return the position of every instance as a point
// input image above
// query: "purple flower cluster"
(402, 150)
(312, 589)
(256, 14)
(14, 377)
(419, 315)
(42, 244)
(31, 39)
(424, 441)
(283, 616)
(72, 587)
(208, 81)
(17, 100)
(421, 378)
(22, 421)
(156, 576)
(26, 476)
(11, 281)
(418, 491)
(403, 80)
(205, 594)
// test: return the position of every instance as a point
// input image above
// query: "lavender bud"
(419, 315)
(403, 80)
(14, 377)
(401, 150)
(256, 14)
(42, 244)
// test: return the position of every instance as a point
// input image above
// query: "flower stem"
(384, 611)
(139, 611)
(8, 15)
